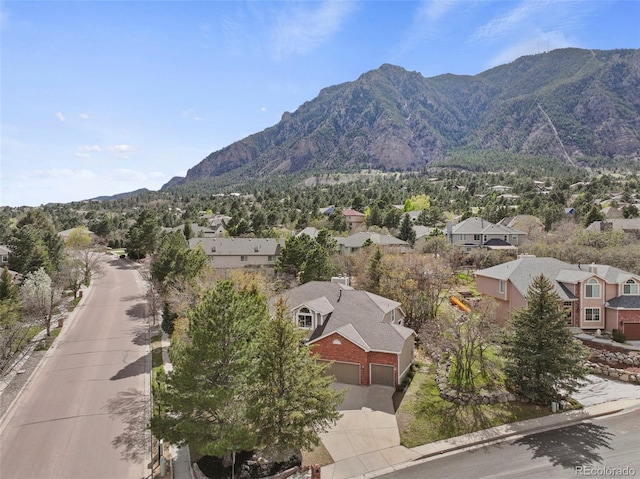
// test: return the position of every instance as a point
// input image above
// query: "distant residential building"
(4, 256)
(239, 252)
(351, 244)
(353, 218)
(627, 225)
(476, 232)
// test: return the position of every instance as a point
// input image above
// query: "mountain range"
(568, 104)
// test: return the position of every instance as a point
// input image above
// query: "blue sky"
(99, 98)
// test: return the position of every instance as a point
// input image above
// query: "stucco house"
(351, 244)
(353, 218)
(4, 256)
(361, 332)
(238, 252)
(476, 232)
(594, 296)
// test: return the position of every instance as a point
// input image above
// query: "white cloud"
(433, 10)
(84, 116)
(59, 116)
(304, 29)
(122, 151)
(85, 151)
(264, 108)
(537, 43)
(62, 174)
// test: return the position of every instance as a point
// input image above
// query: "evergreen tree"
(144, 235)
(374, 273)
(292, 399)
(206, 396)
(8, 290)
(306, 257)
(543, 358)
(188, 230)
(407, 233)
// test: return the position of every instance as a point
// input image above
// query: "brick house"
(353, 218)
(361, 332)
(594, 296)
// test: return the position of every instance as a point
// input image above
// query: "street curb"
(527, 432)
(68, 321)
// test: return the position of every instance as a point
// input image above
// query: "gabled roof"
(357, 315)
(522, 271)
(4, 249)
(476, 225)
(358, 239)
(237, 246)
(350, 212)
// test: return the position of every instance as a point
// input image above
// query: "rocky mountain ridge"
(568, 104)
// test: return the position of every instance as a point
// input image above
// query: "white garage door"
(347, 373)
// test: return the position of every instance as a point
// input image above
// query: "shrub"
(618, 336)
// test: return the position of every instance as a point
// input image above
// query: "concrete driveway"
(598, 390)
(366, 437)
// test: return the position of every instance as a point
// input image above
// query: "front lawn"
(425, 417)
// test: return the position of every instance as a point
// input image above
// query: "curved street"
(83, 413)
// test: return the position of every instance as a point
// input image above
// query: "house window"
(630, 288)
(305, 318)
(592, 314)
(502, 286)
(393, 315)
(5, 259)
(592, 289)
(271, 258)
(463, 237)
(244, 258)
(568, 311)
(476, 237)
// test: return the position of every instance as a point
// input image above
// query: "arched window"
(630, 288)
(592, 289)
(305, 318)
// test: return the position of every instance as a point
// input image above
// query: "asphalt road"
(84, 412)
(600, 448)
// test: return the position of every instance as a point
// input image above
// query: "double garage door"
(349, 373)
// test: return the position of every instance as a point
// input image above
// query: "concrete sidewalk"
(180, 456)
(364, 469)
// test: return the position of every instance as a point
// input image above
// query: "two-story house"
(476, 232)
(361, 333)
(238, 252)
(594, 296)
(4, 256)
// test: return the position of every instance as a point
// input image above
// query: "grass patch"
(48, 340)
(73, 303)
(425, 417)
(317, 455)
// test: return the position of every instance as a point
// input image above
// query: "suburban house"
(594, 296)
(351, 244)
(353, 218)
(476, 232)
(627, 225)
(197, 230)
(238, 252)
(528, 224)
(361, 332)
(4, 256)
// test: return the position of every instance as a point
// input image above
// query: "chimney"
(593, 268)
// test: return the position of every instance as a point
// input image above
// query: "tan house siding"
(405, 359)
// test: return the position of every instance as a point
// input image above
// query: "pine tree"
(292, 399)
(374, 272)
(543, 358)
(407, 233)
(206, 395)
